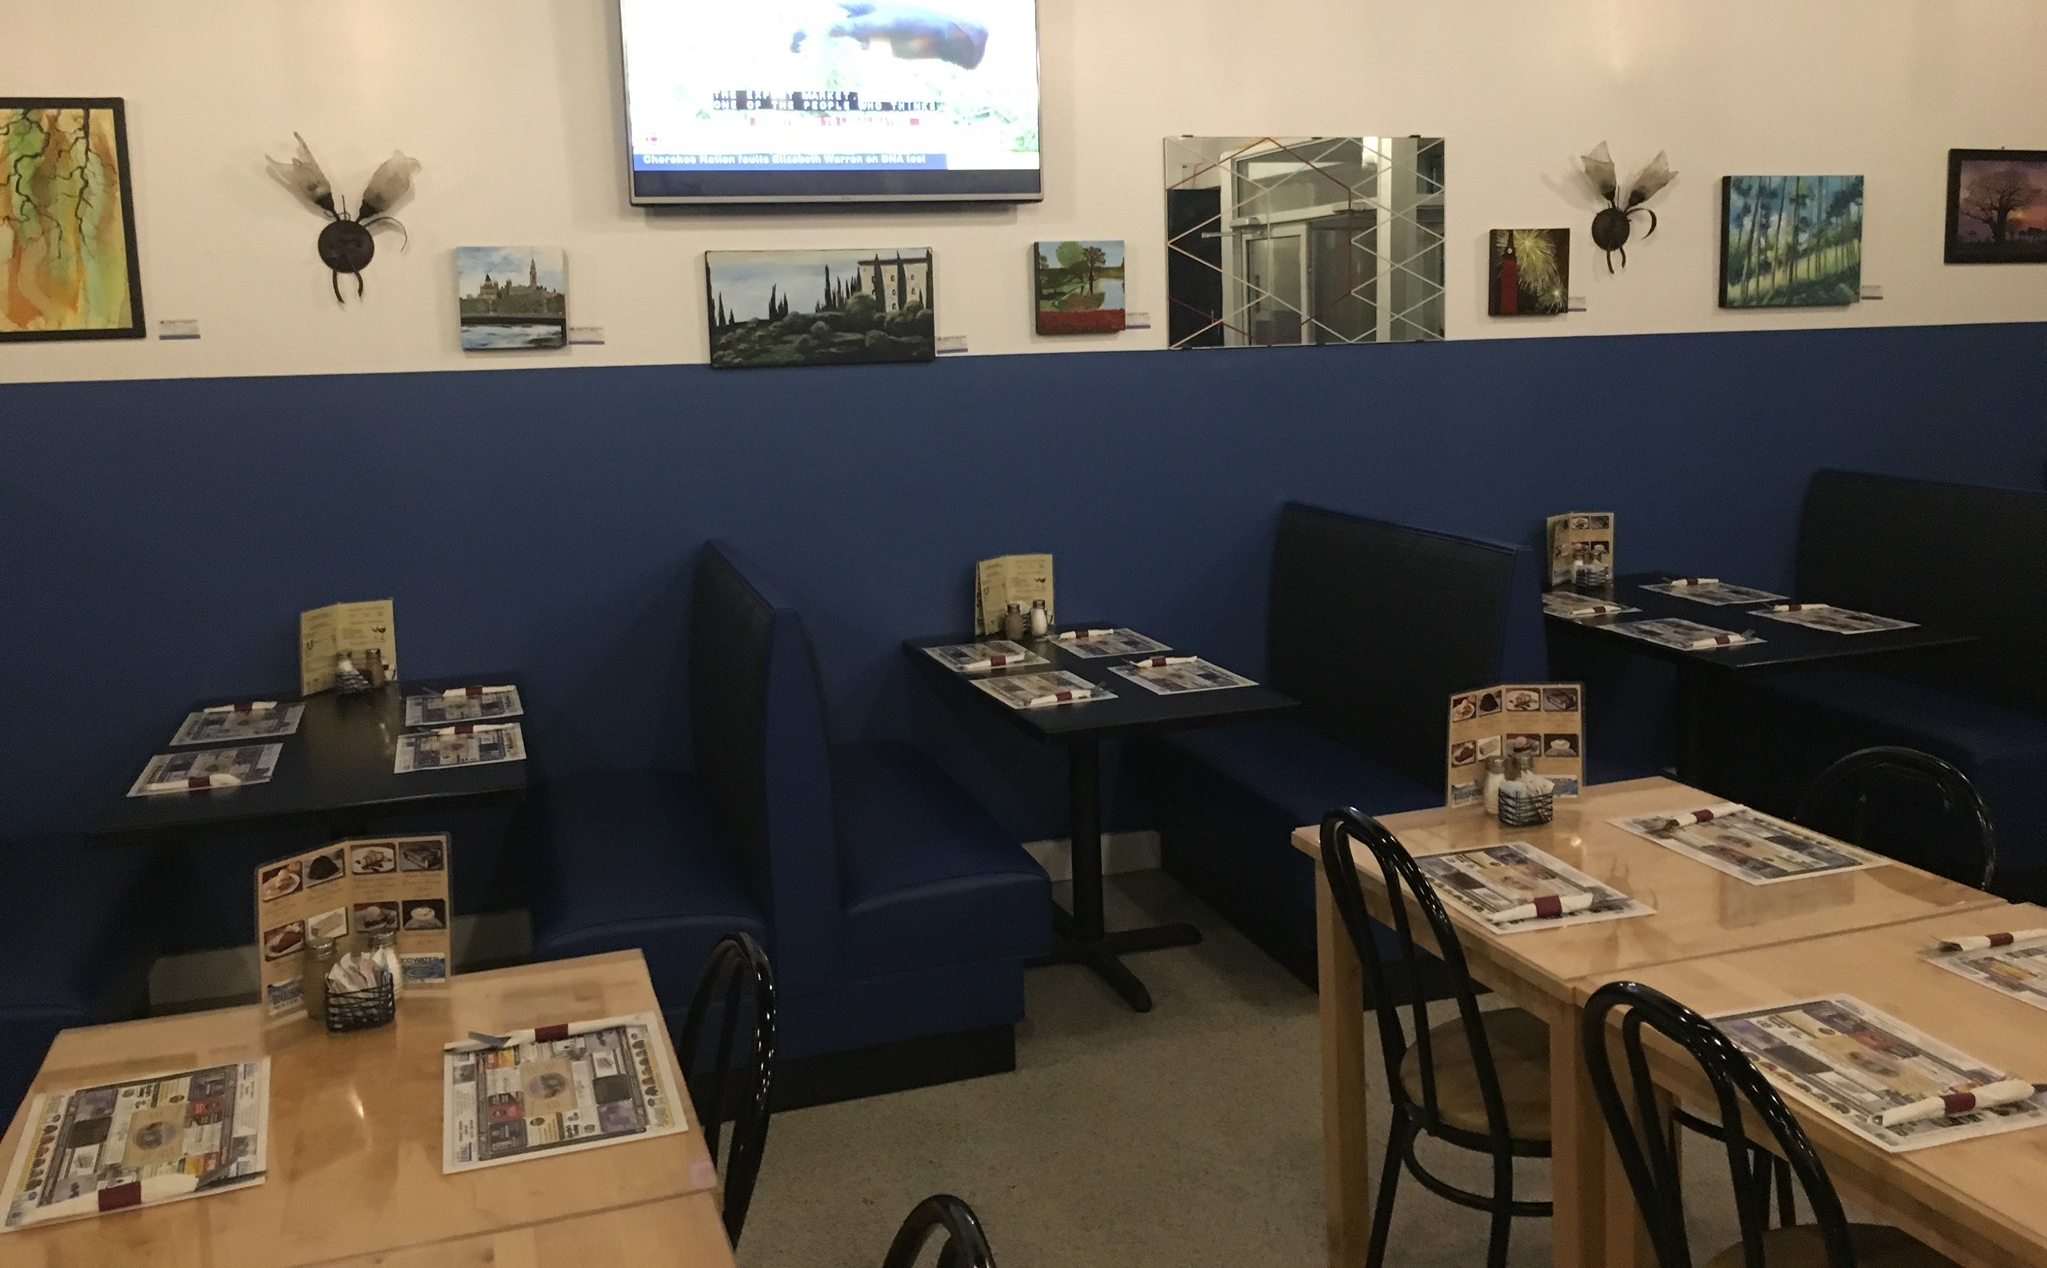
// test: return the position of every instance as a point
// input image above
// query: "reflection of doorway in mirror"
(1305, 240)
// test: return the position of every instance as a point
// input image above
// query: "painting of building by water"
(1790, 241)
(67, 221)
(512, 297)
(771, 308)
(1079, 286)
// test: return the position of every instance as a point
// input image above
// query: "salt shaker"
(1014, 623)
(1041, 619)
(1495, 775)
(384, 950)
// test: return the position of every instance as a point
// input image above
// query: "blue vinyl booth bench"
(898, 914)
(1372, 626)
(1957, 557)
(77, 948)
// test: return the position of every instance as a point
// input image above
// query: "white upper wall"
(514, 108)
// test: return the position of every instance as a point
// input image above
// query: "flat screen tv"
(821, 101)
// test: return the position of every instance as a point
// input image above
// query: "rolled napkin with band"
(118, 1197)
(254, 706)
(1075, 636)
(1690, 817)
(1160, 662)
(1799, 607)
(1717, 640)
(1598, 609)
(478, 1041)
(1059, 697)
(473, 693)
(1686, 583)
(995, 661)
(473, 728)
(1989, 1096)
(1985, 941)
(1547, 907)
(192, 783)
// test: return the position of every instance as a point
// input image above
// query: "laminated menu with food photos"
(1543, 722)
(348, 891)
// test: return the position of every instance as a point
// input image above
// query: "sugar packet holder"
(478, 1041)
(1986, 941)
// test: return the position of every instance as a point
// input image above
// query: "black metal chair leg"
(1399, 1139)
(1787, 1198)
(1496, 1248)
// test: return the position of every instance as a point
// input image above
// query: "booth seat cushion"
(633, 863)
(928, 878)
(1791, 727)
(78, 946)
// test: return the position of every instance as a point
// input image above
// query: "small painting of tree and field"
(1790, 241)
(1080, 287)
(1997, 207)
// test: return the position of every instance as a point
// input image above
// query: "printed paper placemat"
(1685, 636)
(1096, 644)
(140, 1142)
(2013, 964)
(239, 723)
(977, 658)
(1043, 691)
(557, 1089)
(1822, 616)
(174, 774)
(1582, 607)
(1178, 675)
(1712, 590)
(1855, 1065)
(463, 704)
(464, 744)
(1515, 888)
(1761, 849)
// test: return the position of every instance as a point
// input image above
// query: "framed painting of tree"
(1997, 206)
(67, 221)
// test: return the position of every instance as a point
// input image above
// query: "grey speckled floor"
(1184, 1138)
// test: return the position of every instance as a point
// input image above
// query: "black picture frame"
(137, 327)
(1958, 251)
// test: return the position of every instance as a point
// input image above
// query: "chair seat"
(1800, 1246)
(928, 878)
(1520, 1048)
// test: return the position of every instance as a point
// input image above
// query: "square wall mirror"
(1285, 241)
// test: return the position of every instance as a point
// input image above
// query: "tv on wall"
(815, 101)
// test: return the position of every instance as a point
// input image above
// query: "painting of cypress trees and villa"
(1790, 241)
(820, 307)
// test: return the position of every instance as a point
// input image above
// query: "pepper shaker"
(1014, 623)
(320, 956)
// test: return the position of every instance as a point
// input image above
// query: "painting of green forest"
(1790, 241)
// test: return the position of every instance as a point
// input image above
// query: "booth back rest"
(1373, 626)
(1952, 556)
(763, 760)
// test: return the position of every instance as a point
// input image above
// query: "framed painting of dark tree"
(1997, 207)
(67, 221)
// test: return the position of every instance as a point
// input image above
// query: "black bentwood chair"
(1963, 841)
(1479, 1081)
(1651, 1161)
(736, 962)
(965, 1245)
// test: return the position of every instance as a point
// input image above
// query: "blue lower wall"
(158, 539)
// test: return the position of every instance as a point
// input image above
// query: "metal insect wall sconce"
(1611, 227)
(346, 244)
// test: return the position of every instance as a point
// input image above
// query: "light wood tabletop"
(1698, 912)
(354, 1167)
(674, 1233)
(1977, 1201)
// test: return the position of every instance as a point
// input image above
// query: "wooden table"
(1976, 1201)
(1699, 912)
(355, 1139)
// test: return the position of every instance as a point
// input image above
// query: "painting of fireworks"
(67, 221)
(1790, 241)
(1529, 272)
(773, 308)
(1997, 206)
(1080, 287)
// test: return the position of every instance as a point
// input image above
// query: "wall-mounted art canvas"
(1790, 241)
(67, 221)
(1079, 286)
(1997, 206)
(820, 307)
(1291, 241)
(512, 297)
(1530, 272)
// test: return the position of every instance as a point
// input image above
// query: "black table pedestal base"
(1100, 954)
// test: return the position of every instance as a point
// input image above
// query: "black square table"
(1080, 729)
(1783, 646)
(334, 772)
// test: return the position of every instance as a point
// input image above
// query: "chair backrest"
(965, 1245)
(1396, 976)
(1955, 556)
(1372, 626)
(1958, 840)
(1642, 1137)
(763, 759)
(737, 963)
